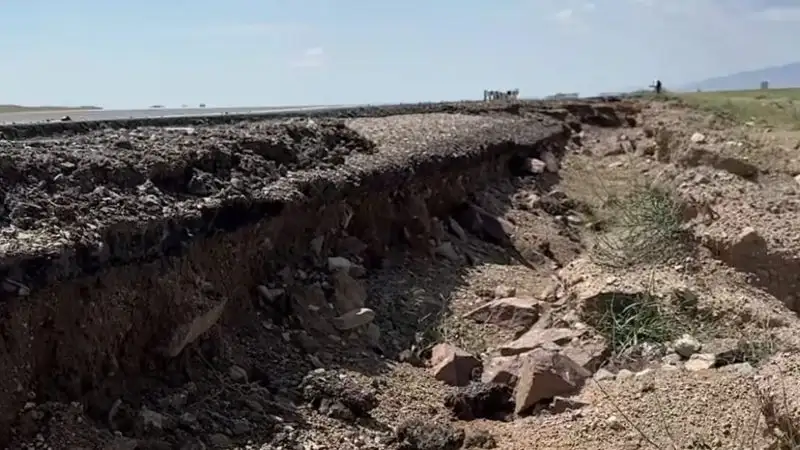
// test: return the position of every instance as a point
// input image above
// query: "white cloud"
(575, 13)
(313, 57)
(565, 14)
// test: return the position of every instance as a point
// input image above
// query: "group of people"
(501, 95)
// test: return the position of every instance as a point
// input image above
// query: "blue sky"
(271, 52)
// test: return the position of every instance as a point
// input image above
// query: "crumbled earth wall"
(121, 243)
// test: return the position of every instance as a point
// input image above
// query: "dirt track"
(185, 285)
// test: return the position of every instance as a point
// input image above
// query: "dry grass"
(643, 226)
(771, 107)
(638, 220)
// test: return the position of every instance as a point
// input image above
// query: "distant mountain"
(786, 76)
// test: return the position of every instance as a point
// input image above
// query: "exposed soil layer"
(122, 245)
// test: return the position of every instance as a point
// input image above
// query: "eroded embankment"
(594, 111)
(120, 248)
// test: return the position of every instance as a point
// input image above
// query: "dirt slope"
(434, 278)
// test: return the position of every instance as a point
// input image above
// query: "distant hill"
(786, 76)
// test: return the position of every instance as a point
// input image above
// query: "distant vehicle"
(184, 106)
(202, 105)
(157, 106)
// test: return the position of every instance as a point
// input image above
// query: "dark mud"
(120, 247)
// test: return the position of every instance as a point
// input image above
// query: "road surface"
(110, 114)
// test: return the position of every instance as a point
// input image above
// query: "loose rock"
(492, 401)
(354, 319)
(686, 346)
(349, 294)
(535, 338)
(546, 374)
(515, 312)
(452, 365)
(700, 361)
(417, 434)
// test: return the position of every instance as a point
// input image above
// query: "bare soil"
(170, 286)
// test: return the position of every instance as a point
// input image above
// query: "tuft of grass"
(628, 321)
(782, 426)
(644, 225)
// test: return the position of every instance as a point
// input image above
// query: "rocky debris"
(544, 375)
(447, 251)
(453, 365)
(309, 305)
(503, 369)
(539, 337)
(456, 229)
(13, 286)
(513, 312)
(588, 353)
(535, 166)
(338, 264)
(237, 374)
(150, 422)
(562, 404)
(349, 294)
(354, 319)
(418, 434)
(410, 357)
(191, 331)
(686, 346)
(219, 441)
(700, 156)
(479, 439)
(551, 162)
(493, 401)
(748, 242)
(744, 369)
(603, 374)
(700, 361)
(270, 296)
(337, 395)
(484, 224)
(698, 138)
(503, 291)
(491, 228)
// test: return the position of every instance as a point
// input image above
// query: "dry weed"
(644, 225)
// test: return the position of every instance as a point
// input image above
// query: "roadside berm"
(426, 277)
